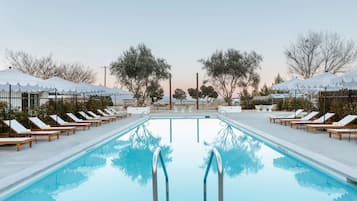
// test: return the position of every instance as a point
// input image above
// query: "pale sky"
(95, 33)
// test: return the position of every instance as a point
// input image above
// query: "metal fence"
(341, 102)
(20, 106)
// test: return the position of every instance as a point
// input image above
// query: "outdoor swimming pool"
(121, 168)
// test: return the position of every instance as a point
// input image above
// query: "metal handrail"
(218, 157)
(157, 154)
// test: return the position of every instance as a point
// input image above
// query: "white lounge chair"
(44, 127)
(61, 122)
(21, 130)
(18, 141)
(107, 115)
(119, 110)
(343, 123)
(105, 119)
(307, 117)
(116, 113)
(320, 120)
(292, 116)
(258, 108)
(95, 122)
(87, 117)
(269, 108)
(342, 131)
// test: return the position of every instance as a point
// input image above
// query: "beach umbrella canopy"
(288, 85)
(113, 91)
(347, 80)
(122, 93)
(93, 89)
(102, 90)
(20, 81)
(127, 96)
(67, 87)
(317, 83)
(291, 85)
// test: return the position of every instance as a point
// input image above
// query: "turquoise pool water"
(121, 168)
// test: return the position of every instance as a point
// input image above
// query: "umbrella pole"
(62, 105)
(170, 93)
(324, 110)
(56, 105)
(115, 99)
(76, 103)
(10, 109)
(295, 103)
(84, 100)
(101, 101)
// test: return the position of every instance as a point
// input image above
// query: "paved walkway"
(13, 162)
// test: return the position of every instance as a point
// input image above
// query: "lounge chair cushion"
(14, 139)
(310, 115)
(38, 122)
(346, 120)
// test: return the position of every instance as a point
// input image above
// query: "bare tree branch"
(45, 67)
(320, 52)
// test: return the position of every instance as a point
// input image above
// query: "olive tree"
(208, 92)
(194, 93)
(136, 68)
(179, 94)
(155, 91)
(231, 69)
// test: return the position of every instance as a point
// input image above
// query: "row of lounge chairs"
(311, 123)
(26, 136)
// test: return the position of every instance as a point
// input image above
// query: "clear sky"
(95, 33)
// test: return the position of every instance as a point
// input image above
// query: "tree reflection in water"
(134, 160)
(238, 151)
(65, 178)
(311, 178)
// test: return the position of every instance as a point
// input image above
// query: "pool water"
(121, 168)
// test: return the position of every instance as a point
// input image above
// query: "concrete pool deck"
(17, 166)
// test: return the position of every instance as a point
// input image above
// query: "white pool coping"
(9, 183)
(347, 172)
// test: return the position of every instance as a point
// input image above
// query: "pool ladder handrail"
(157, 155)
(218, 157)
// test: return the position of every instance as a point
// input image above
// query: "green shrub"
(261, 102)
(22, 117)
(290, 104)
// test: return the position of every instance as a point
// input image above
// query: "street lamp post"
(170, 92)
(105, 76)
(197, 107)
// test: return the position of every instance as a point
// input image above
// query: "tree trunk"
(139, 101)
(228, 100)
